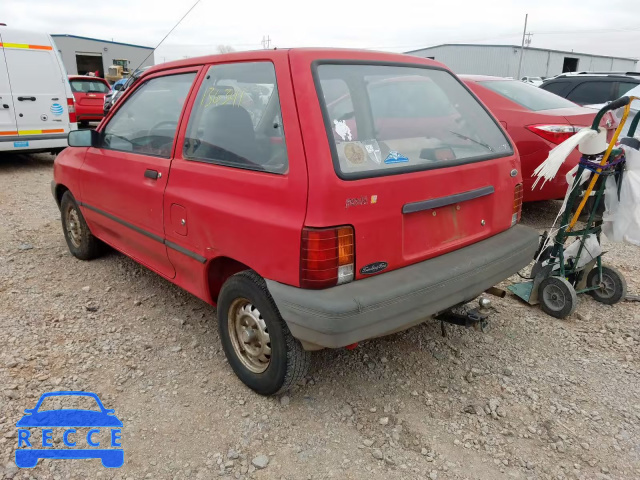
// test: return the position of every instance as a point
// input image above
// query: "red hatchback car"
(537, 121)
(229, 176)
(89, 95)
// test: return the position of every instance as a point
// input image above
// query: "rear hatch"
(89, 92)
(414, 163)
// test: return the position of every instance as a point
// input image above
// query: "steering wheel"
(164, 122)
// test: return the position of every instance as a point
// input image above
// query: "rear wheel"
(613, 286)
(258, 345)
(557, 297)
(81, 242)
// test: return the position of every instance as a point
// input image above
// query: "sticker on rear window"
(373, 150)
(343, 129)
(354, 153)
(395, 157)
(20, 144)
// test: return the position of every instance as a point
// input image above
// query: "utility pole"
(266, 42)
(524, 33)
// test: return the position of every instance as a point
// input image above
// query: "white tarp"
(621, 219)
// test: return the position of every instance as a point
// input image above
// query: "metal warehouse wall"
(69, 46)
(502, 61)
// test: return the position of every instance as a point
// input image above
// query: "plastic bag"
(621, 218)
(590, 251)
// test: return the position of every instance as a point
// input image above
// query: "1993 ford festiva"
(310, 222)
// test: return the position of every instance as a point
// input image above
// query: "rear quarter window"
(384, 119)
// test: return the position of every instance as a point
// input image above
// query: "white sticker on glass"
(342, 129)
(373, 149)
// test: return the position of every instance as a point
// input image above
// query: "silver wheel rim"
(554, 297)
(74, 230)
(249, 335)
(607, 287)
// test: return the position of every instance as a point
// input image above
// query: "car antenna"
(165, 37)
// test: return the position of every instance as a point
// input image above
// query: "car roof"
(85, 77)
(69, 393)
(317, 53)
(581, 76)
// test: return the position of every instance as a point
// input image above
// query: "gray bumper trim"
(399, 299)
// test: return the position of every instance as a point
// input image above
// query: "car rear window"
(89, 86)
(527, 95)
(384, 119)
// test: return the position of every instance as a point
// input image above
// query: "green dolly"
(556, 280)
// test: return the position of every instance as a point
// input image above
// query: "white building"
(83, 54)
(502, 60)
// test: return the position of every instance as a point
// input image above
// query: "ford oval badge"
(373, 268)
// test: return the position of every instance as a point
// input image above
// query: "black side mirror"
(83, 138)
(118, 87)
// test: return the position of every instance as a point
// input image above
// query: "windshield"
(529, 96)
(387, 119)
(87, 86)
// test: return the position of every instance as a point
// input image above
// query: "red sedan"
(537, 121)
(89, 94)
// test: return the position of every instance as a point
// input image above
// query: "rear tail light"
(517, 204)
(554, 133)
(326, 257)
(71, 106)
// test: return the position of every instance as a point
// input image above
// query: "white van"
(37, 109)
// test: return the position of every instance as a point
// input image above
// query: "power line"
(165, 37)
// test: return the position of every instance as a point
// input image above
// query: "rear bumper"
(402, 298)
(93, 112)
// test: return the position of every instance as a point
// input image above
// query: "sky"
(585, 26)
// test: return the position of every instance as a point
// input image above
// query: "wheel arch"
(59, 192)
(218, 271)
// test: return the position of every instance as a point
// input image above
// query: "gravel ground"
(534, 397)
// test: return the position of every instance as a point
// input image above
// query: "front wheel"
(557, 297)
(81, 242)
(612, 286)
(256, 341)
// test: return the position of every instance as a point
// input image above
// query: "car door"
(8, 127)
(123, 180)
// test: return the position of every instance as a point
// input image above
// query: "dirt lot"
(533, 398)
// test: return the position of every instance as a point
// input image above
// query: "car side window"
(236, 120)
(147, 122)
(588, 93)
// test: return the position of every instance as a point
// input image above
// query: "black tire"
(82, 244)
(287, 362)
(83, 124)
(557, 297)
(613, 288)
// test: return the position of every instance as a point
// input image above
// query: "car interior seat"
(229, 128)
